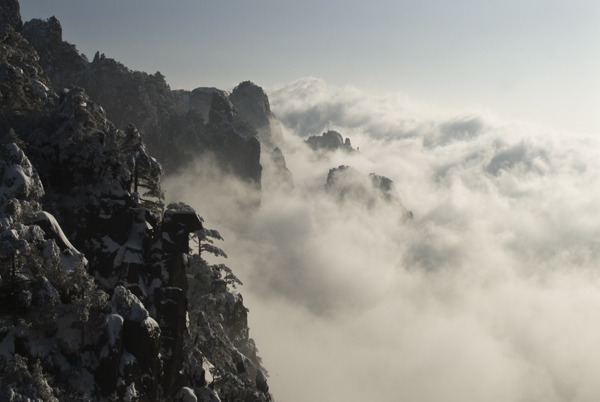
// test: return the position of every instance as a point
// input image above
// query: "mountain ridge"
(147, 101)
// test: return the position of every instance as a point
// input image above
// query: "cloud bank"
(491, 292)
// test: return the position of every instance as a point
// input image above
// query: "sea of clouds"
(491, 292)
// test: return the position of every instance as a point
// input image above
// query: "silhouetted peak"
(10, 14)
(46, 34)
(329, 141)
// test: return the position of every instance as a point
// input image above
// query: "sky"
(484, 116)
(530, 60)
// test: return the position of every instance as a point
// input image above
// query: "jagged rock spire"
(10, 14)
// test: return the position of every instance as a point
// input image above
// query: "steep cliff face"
(240, 149)
(199, 99)
(94, 272)
(251, 104)
(253, 107)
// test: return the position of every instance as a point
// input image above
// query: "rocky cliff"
(101, 296)
(175, 125)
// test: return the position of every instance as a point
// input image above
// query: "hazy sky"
(534, 59)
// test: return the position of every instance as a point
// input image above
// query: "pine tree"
(143, 170)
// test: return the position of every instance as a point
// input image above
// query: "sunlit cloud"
(491, 292)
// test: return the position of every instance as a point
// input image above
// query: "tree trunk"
(13, 290)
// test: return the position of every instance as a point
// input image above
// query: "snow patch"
(128, 305)
(109, 245)
(115, 324)
(15, 183)
(131, 393)
(170, 213)
(186, 394)
(208, 370)
(70, 255)
(19, 178)
(126, 360)
(40, 89)
(151, 325)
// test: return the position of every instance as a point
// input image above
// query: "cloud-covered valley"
(490, 293)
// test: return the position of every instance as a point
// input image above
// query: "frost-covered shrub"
(21, 381)
(218, 351)
(142, 170)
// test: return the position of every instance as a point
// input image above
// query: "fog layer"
(491, 292)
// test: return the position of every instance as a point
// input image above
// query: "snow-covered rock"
(94, 281)
(128, 305)
(186, 394)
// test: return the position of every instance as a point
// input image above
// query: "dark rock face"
(351, 187)
(170, 300)
(94, 274)
(198, 100)
(253, 107)
(329, 141)
(237, 147)
(250, 102)
(10, 14)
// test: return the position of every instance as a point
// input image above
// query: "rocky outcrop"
(24, 88)
(170, 299)
(350, 187)
(10, 15)
(329, 141)
(253, 107)
(236, 143)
